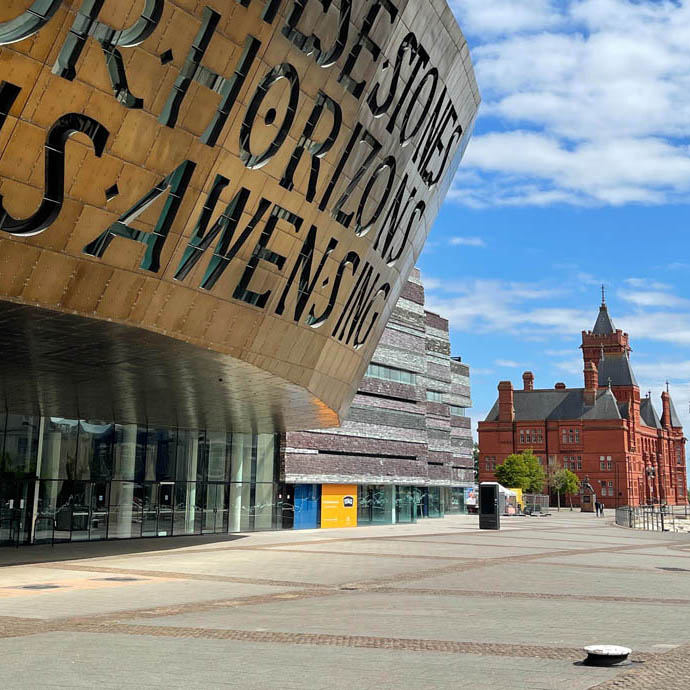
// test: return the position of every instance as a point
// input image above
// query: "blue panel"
(306, 506)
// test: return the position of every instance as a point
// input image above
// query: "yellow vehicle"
(519, 499)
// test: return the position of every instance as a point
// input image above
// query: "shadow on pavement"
(46, 553)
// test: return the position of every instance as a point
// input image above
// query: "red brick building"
(605, 431)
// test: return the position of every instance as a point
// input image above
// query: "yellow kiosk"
(338, 505)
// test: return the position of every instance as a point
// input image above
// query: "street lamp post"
(651, 474)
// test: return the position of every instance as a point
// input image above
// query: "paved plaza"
(435, 605)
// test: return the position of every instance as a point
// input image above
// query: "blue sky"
(578, 175)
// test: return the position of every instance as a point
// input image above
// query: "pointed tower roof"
(604, 324)
(648, 414)
(675, 419)
(616, 370)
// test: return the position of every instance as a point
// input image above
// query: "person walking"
(596, 507)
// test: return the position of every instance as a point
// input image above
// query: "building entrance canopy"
(209, 209)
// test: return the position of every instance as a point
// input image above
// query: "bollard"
(607, 655)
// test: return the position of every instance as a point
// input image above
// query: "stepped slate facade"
(605, 432)
(406, 428)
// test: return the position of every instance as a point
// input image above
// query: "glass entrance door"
(16, 506)
(215, 508)
(421, 495)
(166, 502)
(80, 504)
(375, 504)
(405, 504)
(98, 521)
(158, 510)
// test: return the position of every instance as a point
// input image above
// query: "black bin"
(489, 517)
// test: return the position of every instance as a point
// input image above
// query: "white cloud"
(646, 283)
(589, 102)
(573, 366)
(653, 298)
(478, 371)
(524, 309)
(432, 283)
(664, 326)
(540, 169)
(467, 242)
(507, 363)
(661, 371)
(492, 306)
(504, 16)
(678, 266)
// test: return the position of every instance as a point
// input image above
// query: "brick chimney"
(506, 408)
(666, 414)
(528, 381)
(591, 382)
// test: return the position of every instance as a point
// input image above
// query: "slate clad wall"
(392, 434)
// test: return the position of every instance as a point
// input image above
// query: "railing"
(536, 504)
(656, 518)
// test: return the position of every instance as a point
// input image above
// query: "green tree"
(565, 482)
(475, 456)
(522, 471)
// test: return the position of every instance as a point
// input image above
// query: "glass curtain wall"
(376, 504)
(435, 496)
(79, 480)
(454, 501)
(19, 439)
(405, 504)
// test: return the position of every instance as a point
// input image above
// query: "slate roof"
(618, 369)
(675, 419)
(648, 414)
(624, 409)
(604, 325)
(560, 405)
(605, 407)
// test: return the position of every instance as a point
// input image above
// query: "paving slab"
(626, 561)
(96, 596)
(558, 578)
(439, 604)
(315, 568)
(429, 617)
(421, 549)
(85, 662)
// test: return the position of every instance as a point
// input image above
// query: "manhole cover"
(39, 587)
(675, 570)
(121, 579)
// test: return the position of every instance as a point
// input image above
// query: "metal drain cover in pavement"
(675, 570)
(39, 587)
(121, 579)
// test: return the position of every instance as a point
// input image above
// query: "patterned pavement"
(427, 590)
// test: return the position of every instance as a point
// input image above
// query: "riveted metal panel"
(209, 209)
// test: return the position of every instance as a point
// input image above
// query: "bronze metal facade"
(209, 209)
